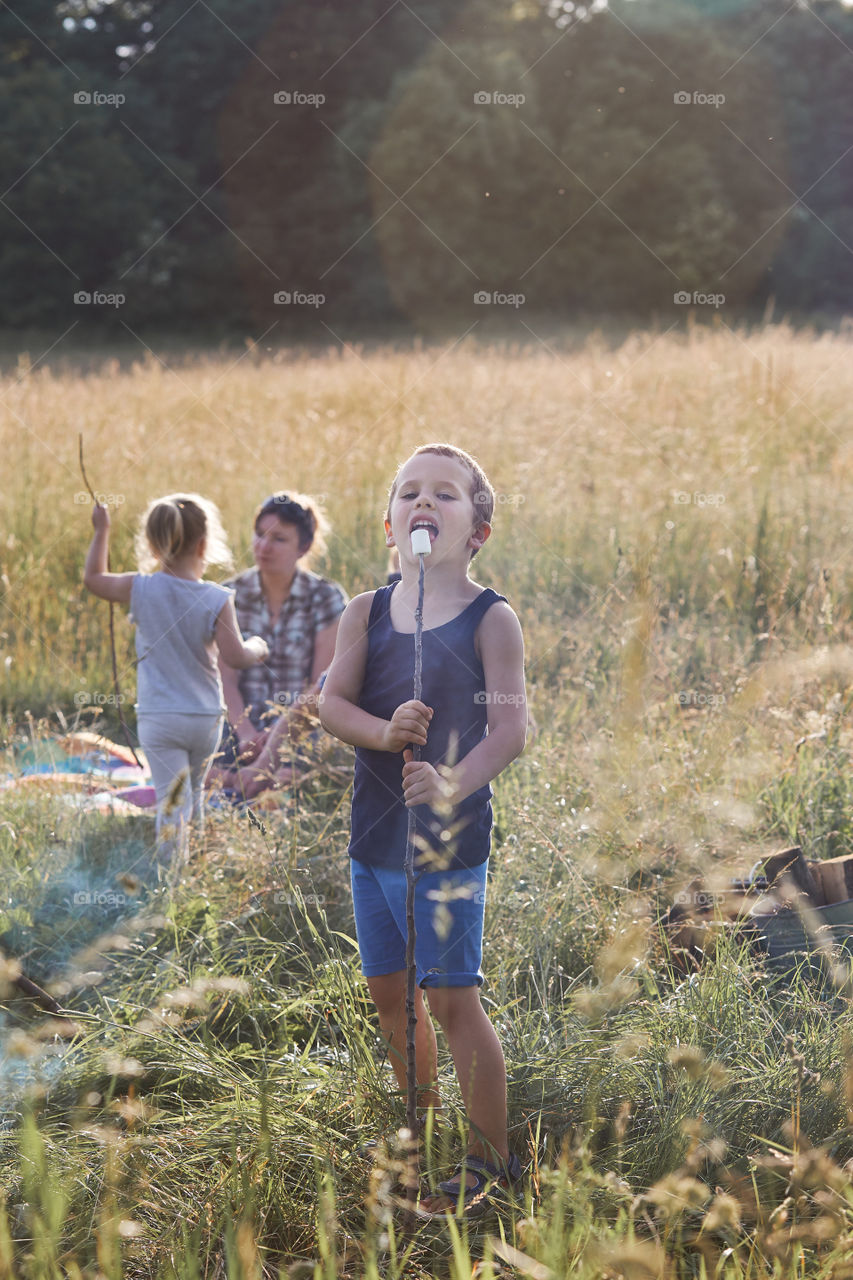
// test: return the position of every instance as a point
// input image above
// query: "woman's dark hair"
(296, 509)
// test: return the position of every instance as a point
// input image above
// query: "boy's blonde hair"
(482, 493)
(173, 525)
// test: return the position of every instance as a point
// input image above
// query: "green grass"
(690, 684)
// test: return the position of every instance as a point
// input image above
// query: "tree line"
(250, 165)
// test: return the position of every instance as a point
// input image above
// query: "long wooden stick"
(118, 696)
(35, 992)
(411, 1016)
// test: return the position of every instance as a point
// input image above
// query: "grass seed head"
(723, 1214)
(688, 1058)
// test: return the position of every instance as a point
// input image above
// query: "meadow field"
(673, 527)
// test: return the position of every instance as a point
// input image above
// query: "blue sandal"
(474, 1199)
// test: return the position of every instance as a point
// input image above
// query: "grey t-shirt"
(177, 669)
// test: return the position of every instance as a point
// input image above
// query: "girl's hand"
(408, 724)
(259, 647)
(115, 587)
(424, 784)
(100, 518)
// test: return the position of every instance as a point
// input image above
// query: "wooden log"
(791, 863)
(835, 877)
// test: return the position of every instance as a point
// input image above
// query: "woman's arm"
(238, 717)
(324, 650)
(96, 576)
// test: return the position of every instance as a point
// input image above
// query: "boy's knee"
(388, 993)
(450, 1005)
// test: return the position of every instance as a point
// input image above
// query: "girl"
(181, 623)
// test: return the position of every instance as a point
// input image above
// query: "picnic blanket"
(88, 772)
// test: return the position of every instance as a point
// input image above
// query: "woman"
(297, 613)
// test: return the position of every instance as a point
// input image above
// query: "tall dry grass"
(672, 527)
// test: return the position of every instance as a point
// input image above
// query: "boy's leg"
(379, 903)
(480, 1067)
(450, 943)
(388, 992)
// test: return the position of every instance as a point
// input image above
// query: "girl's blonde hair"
(173, 525)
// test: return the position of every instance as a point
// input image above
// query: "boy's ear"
(480, 535)
(389, 537)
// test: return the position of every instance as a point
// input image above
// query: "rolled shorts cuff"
(449, 908)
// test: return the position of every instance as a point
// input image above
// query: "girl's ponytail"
(174, 525)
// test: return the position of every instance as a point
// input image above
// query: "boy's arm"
(502, 656)
(96, 576)
(338, 705)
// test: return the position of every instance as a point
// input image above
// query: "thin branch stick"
(116, 688)
(411, 1016)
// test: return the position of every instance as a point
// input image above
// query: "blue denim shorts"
(449, 908)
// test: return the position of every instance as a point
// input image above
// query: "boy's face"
(435, 492)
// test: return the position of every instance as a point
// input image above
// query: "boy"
(473, 681)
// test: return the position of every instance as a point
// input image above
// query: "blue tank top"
(454, 686)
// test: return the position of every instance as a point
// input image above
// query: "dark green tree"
(601, 192)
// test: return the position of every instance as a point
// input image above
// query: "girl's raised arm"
(96, 576)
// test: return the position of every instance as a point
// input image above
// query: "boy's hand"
(424, 784)
(408, 724)
(100, 518)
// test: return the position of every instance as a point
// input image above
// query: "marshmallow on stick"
(421, 545)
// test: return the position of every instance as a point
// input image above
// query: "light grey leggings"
(178, 745)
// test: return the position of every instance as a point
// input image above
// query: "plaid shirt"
(313, 605)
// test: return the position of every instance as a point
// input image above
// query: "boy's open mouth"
(431, 529)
